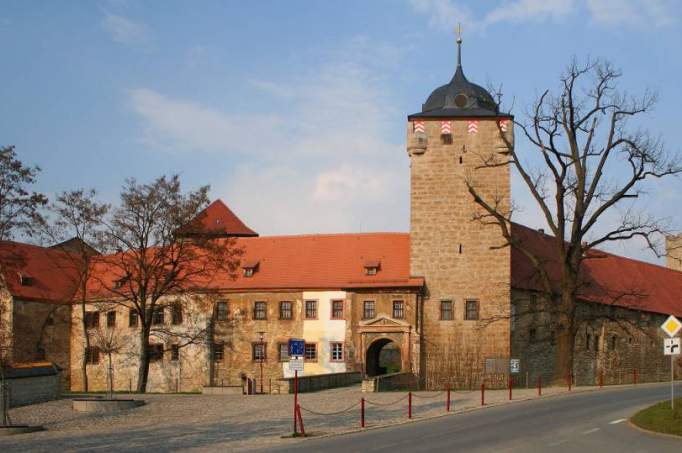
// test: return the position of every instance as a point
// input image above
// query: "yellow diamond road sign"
(671, 326)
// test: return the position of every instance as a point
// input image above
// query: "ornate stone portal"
(380, 332)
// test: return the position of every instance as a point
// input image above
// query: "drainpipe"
(422, 342)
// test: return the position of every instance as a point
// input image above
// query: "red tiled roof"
(51, 271)
(325, 261)
(218, 220)
(607, 278)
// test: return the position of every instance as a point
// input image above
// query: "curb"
(652, 433)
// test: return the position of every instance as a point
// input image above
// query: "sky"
(295, 112)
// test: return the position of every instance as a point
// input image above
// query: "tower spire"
(458, 31)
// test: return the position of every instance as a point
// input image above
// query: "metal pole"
(362, 412)
(261, 372)
(447, 405)
(295, 399)
(672, 383)
(510, 388)
(409, 404)
(482, 394)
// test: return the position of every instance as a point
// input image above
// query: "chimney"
(673, 249)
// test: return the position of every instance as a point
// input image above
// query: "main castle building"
(445, 301)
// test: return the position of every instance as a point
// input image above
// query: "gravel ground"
(231, 422)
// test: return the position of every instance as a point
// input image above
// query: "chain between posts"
(330, 413)
(428, 396)
(387, 404)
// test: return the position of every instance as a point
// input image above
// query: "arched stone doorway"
(383, 356)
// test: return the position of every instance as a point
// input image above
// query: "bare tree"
(19, 207)
(109, 342)
(594, 164)
(77, 221)
(19, 213)
(153, 259)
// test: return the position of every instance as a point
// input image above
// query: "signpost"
(671, 347)
(296, 365)
(296, 347)
(296, 352)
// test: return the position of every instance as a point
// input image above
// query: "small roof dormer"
(372, 267)
(250, 267)
(25, 279)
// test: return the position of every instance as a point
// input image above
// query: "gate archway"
(383, 356)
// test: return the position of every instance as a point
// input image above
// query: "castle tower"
(673, 245)
(467, 302)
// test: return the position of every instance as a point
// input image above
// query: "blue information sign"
(296, 347)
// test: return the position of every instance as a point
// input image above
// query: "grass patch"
(661, 418)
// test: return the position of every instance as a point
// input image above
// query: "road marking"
(590, 431)
(554, 444)
(620, 420)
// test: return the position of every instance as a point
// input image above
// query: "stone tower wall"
(673, 245)
(456, 253)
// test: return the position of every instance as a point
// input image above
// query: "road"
(585, 422)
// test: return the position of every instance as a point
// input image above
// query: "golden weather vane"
(458, 32)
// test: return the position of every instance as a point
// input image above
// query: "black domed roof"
(447, 96)
(459, 98)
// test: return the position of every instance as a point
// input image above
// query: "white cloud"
(529, 10)
(633, 12)
(181, 125)
(327, 162)
(446, 13)
(127, 31)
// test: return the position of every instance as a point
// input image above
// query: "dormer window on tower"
(372, 267)
(250, 267)
(25, 279)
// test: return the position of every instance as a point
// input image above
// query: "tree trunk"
(564, 335)
(86, 345)
(111, 378)
(143, 370)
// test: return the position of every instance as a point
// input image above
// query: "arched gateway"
(383, 356)
(386, 346)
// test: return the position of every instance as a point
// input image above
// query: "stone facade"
(36, 332)
(455, 253)
(612, 344)
(198, 365)
(673, 245)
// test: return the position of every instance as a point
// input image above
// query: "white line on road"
(620, 420)
(590, 431)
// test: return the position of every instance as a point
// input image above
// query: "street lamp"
(261, 357)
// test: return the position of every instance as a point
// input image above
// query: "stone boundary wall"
(394, 381)
(322, 381)
(34, 389)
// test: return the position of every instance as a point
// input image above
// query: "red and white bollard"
(447, 403)
(482, 394)
(511, 384)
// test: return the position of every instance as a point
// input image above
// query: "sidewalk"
(235, 422)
